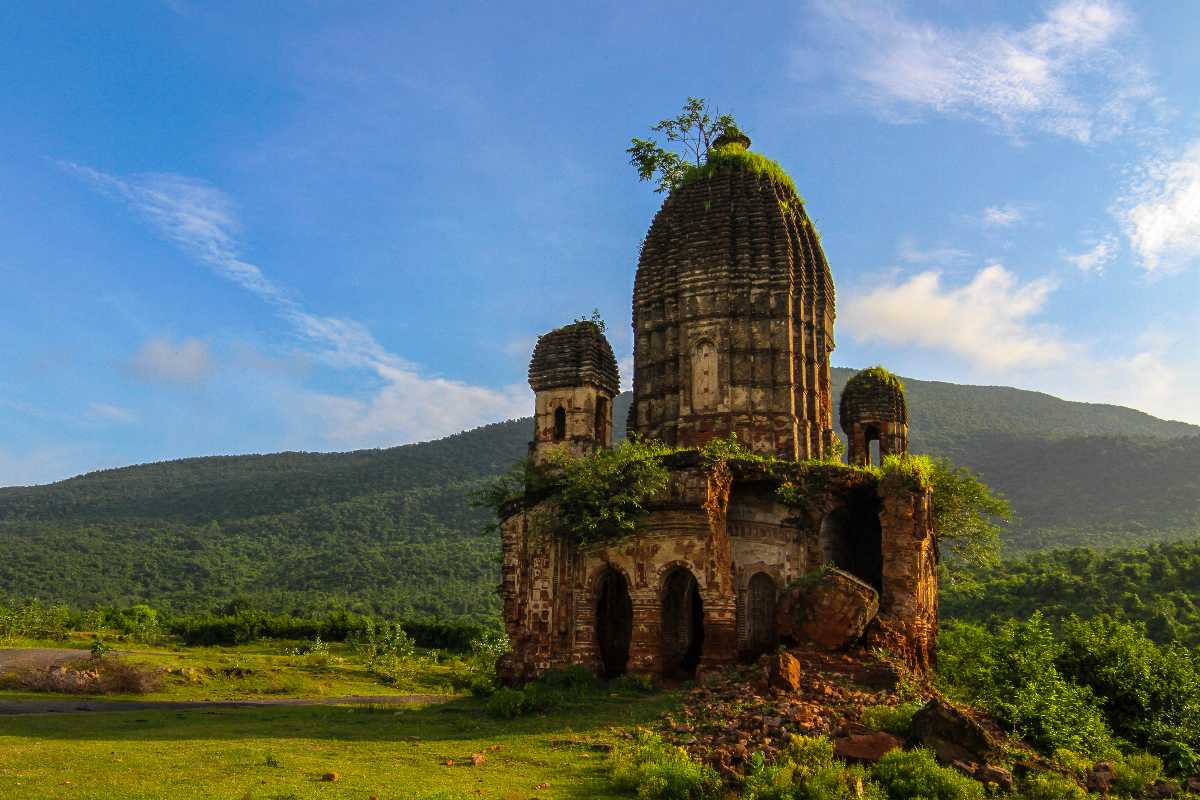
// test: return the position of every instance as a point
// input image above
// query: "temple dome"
(733, 312)
(574, 355)
(873, 395)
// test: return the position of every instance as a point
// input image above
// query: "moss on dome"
(734, 155)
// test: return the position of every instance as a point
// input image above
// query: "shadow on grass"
(464, 719)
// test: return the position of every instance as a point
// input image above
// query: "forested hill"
(392, 530)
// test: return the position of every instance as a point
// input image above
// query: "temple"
(733, 323)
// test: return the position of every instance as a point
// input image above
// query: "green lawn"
(264, 670)
(282, 752)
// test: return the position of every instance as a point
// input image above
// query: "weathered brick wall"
(722, 532)
(908, 618)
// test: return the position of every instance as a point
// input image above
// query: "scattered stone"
(542, 785)
(1193, 784)
(330, 777)
(989, 773)
(865, 748)
(1101, 778)
(477, 760)
(783, 672)
(952, 734)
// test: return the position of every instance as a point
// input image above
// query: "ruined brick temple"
(733, 322)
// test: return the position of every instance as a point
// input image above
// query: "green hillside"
(392, 530)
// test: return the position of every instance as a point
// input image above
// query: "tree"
(692, 133)
(967, 513)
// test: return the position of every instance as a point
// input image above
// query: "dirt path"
(13, 659)
(60, 706)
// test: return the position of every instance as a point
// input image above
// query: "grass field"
(282, 752)
(265, 670)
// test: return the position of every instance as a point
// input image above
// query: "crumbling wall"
(908, 619)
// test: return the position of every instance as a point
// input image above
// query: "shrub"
(655, 770)
(1051, 786)
(893, 719)
(386, 651)
(916, 775)
(1150, 693)
(507, 703)
(34, 620)
(807, 770)
(1136, 773)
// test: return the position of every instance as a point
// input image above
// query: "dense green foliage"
(1086, 688)
(141, 623)
(1157, 586)
(393, 532)
(1012, 673)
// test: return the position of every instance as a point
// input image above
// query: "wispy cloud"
(1002, 216)
(941, 255)
(1160, 212)
(406, 405)
(1064, 73)
(989, 321)
(109, 413)
(1094, 259)
(160, 360)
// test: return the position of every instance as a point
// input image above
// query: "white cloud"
(1002, 216)
(160, 360)
(110, 413)
(1160, 212)
(988, 322)
(405, 405)
(1094, 259)
(1063, 74)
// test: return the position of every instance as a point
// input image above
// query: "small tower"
(873, 409)
(574, 378)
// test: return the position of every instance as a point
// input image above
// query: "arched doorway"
(851, 539)
(682, 624)
(614, 622)
(760, 615)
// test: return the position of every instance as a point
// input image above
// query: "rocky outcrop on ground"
(809, 691)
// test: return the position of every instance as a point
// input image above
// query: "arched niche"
(560, 424)
(682, 624)
(614, 622)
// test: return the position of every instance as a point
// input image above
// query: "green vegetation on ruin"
(879, 374)
(734, 156)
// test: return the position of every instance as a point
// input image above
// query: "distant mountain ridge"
(393, 528)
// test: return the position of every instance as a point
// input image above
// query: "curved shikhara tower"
(733, 310)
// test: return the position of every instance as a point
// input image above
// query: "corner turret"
(574, 377)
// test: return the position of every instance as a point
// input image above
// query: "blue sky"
(250, 227)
